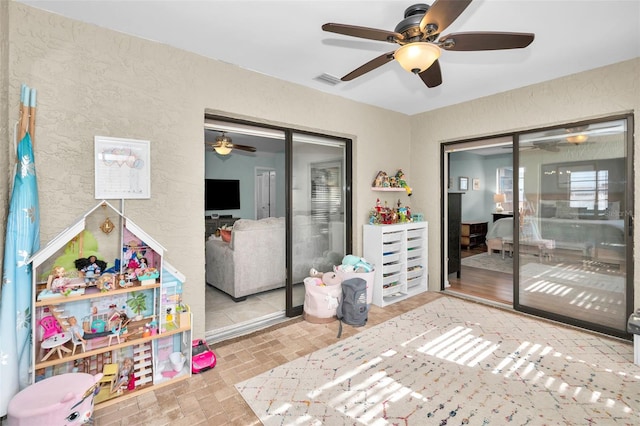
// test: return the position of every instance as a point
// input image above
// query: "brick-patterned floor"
(210, 398)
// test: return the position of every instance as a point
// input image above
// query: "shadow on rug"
(495, 262)
(454, 362)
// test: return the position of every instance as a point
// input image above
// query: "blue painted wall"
(477, 205)
(242, 167)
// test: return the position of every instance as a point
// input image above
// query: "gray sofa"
(254, 260)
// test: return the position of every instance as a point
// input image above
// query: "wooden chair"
(109, 376)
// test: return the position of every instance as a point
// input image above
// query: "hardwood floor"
(482, 283)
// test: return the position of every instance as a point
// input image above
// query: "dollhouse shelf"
(69, 299)
(387, 189)
(80, 355)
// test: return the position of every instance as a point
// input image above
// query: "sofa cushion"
(268, 223)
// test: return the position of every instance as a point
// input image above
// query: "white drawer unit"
(399, 255)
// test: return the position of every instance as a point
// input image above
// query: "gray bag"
(353, 308)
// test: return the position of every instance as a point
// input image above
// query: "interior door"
(265, 193)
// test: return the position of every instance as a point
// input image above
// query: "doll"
(60, 282)
(142, 265)
(122, 281)
(76, 330)
(91, 271)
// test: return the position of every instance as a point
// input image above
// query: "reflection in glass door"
(573, 225)
(318, 206)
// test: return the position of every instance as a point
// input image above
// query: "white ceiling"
(284, 39)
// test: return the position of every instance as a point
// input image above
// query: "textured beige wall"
(92, 81)
(601, 92)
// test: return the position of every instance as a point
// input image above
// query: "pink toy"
(65, 399)
(51, 326)
(202, 357)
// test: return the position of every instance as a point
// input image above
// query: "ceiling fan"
(417, 33)
(223, 145)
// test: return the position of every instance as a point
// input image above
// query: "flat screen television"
(221, 194)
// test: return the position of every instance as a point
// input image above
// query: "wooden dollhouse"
(118, 325)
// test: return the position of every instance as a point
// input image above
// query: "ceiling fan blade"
(485, 41)
(363, 32)
(244, 148)
(442, 13)
(432, 76)
(369, 66)
(551, 146)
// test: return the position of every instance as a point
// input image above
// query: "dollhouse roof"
(169, 269)
(79, 225)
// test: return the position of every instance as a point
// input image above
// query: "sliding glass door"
(318, 214)
(574, 211)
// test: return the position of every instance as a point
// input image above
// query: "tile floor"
(210, 398)
(222, 311)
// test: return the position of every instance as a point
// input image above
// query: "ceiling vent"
(329, 79)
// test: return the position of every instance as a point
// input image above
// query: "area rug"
(494, 262)
(455, 362)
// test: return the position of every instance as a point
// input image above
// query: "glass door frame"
(446, 148)
(628, 229)
(291, 310)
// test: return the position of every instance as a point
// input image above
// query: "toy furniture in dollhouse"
(107, 383)
(110, 337)
(77, 342)
(50, 326)
(109, 375)
(143, 364)
(55, 344)
(116, 332)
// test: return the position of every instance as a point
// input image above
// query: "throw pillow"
(226, 235)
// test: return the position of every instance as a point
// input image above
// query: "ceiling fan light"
(222, 150)
(577, 139)
(417, 57)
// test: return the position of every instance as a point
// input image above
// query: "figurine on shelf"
(380, 180)
(402, 183)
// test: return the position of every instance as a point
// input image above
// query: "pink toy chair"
(50, 326)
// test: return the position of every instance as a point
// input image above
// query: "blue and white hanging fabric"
(22, 240)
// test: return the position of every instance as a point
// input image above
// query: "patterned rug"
(455, 362)
(495, 262)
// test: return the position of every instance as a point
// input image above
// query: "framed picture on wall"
(476, 184)
(463, 184)
(122, 168)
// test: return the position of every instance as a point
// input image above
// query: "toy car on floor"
(202, 357)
